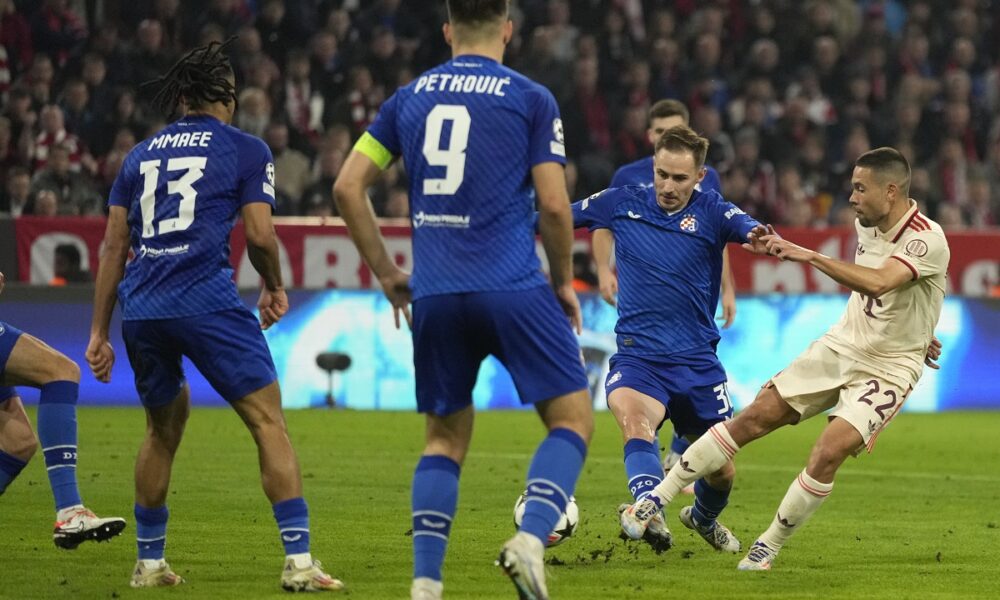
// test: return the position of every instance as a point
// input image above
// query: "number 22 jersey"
(183, 189)
(469, 132)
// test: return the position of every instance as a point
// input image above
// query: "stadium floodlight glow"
(331, 362)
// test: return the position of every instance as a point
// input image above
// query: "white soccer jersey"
(893, 332)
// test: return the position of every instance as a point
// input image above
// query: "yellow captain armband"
(374, 150)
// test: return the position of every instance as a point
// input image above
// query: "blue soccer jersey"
(640, 172)
(183, 189)
(469, 132)
(669, 266)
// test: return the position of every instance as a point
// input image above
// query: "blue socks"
(10, 468)
(435, 496)
(678, 444)
(708, 503)
(551, 481)
(151, 531)
(642, 467)
(293, 525)
(57, 433)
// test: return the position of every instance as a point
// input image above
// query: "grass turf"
(917, 519)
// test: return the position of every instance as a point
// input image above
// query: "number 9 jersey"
(469, 132)
(183, 189)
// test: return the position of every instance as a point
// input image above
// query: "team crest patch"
(916, 248)
(689, 223)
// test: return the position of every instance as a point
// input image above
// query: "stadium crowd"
(789, 92)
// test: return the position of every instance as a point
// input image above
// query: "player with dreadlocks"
(174, 204)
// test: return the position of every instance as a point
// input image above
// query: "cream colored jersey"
(892, 332)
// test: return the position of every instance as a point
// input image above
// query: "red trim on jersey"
(812, 491)
(923, 221)
(903, 228)
(908, 266)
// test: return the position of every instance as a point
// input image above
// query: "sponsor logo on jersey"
(422, 219)
(733, 212)
(586, 201)
(689, 223)
(633, 215)
(146, 251)
(916, 248)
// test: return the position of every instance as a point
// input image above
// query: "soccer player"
(669, 239)
(476, 137)
(663, 115)
(26, 360)
(864, 367)
(174, 204)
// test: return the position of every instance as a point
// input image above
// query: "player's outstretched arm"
(555, 223)
(262, 249)
(873, 282)
(114, 252)
(602, 244)
(350, 192)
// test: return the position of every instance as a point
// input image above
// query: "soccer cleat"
(718, 536)
(635, 519)
(657, 533)
(759, 558)
(310, 578)
(83, 525)
(157, 574)
(521, 560)
(425, 588)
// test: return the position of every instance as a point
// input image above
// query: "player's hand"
(933, 353)
(566, 296)
(101, 357)
(754, 242)
(607, 282)
(728, 309)
(273, 304)
(396, 286)
(785, 250)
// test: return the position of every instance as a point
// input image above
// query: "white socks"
(706, 455)
(804, 496)
(301, 561)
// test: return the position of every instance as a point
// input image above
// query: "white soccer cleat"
(657, 534)
(425, 588)
(521, 560)
(718, 536)
(82, 525)
(154, 573)
(759, 558)
(635, 519)
(308, 578)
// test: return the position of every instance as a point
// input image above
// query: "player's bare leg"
(435, 497)
(711, 452)
(639, 416)
(34, 363)
(282, 483)
(805, 495)
(17, 440)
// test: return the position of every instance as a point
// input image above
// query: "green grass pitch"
(919, 518)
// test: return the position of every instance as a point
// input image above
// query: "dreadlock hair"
(201, 77)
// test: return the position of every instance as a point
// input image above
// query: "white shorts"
(864, 396)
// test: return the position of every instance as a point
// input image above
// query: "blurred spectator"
(54, 134)
(46, 203)
(291, 166)
(38, 80)
(398, 205)
(57, 30)
(16, 193)
(277, 33)
(150, 58)
(15, 38)
(254, 114)
(359, 105)
(318, 197)
(67, 266)
(76, 192)
(99, 90)
(303, 102)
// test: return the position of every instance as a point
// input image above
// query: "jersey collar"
(473, 58)
(897, 229)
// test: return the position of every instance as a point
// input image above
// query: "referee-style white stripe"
(431, 533)
(432, 513)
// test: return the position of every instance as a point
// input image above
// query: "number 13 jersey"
(469, 132)
(183, 189)
(892, 332)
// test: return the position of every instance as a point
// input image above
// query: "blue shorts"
(525, 330)
(227, 347)
(694, 394)
(8, 337)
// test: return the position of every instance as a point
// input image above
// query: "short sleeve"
(925, 253)
(597, 211)
(547, 142)
(735, 224)
(256, 171)
(383, 128)
(121, 189)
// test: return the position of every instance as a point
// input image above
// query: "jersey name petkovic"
(892, 332)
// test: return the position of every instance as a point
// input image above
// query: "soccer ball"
(564, 528)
